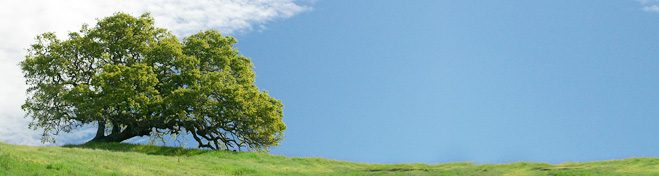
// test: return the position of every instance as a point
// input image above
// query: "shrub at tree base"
(133, 79)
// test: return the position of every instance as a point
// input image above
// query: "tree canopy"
(132, 79)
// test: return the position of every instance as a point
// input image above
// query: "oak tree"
(133, 79)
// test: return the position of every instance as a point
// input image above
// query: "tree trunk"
(100, 133)
(118, 135)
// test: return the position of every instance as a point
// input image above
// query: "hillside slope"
(129, 159)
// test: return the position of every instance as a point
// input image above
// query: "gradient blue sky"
(446, 81)
(449, 81)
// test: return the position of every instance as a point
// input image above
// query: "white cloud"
(650, 5)
(21, 21)
(652, 8)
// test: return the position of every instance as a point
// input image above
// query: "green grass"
(129, 159)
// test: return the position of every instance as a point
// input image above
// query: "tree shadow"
(146, 149)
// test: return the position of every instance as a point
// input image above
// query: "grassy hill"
(129, 159)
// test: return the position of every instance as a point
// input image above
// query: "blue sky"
(450, 81)
(447, 81)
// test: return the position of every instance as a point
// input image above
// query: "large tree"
(132, 79)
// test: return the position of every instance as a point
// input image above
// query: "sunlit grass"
(130, 159)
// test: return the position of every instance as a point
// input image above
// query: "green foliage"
(133, 79)
(129, 159)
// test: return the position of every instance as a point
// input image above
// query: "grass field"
(129, 159)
